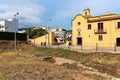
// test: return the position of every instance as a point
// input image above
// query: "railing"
(100, 31)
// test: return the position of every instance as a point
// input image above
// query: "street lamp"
(15, 29)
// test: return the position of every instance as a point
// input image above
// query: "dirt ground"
(26, 65)
(16, 67)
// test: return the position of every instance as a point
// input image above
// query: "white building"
(10, 25)
(59, 33)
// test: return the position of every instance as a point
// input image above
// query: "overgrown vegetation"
(102, 61)
(18, 67)
(14, 66)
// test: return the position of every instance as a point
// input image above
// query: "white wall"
(11, 25)
(2, 23)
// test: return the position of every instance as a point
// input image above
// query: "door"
(79, 41)
(118, 41)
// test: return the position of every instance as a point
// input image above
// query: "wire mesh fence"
(98, 47)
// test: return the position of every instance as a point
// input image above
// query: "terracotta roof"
(104, 15)
(104, 18)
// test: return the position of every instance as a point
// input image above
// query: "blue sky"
(61, 12)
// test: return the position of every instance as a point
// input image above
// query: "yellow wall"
(76, 27)
(89, 38)
(48, 38)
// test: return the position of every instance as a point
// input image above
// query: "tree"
(36, 33)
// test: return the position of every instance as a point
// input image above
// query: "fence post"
(115, 47)
(96, 47)
(81, 46)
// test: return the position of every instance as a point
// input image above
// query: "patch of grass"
(3, 76)
(8, 53)
(106, 58)
(47, 50)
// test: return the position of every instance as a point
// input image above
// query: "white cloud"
(28, 13)
(31, 11)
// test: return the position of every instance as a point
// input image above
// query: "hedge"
(11, 36)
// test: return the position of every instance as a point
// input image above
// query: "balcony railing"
(100, 31)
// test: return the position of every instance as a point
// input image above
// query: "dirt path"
(88, 70)
(82, 68)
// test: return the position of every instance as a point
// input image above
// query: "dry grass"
(16, 67)
(104, 62)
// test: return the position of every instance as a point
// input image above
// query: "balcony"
(100, 31)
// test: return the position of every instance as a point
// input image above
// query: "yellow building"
(103, 30)
(48, 39)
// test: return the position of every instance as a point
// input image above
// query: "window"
(79, 23)
(78, 32)
(100, 26)
(118, 25)
(100, 37)
(89, 26)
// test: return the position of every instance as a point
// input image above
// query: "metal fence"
(95, 48)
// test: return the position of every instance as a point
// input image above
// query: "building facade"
(9, 25)
(59, 32)
(103, 30)
(48, 39)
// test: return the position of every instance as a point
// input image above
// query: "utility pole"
(15, 29)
